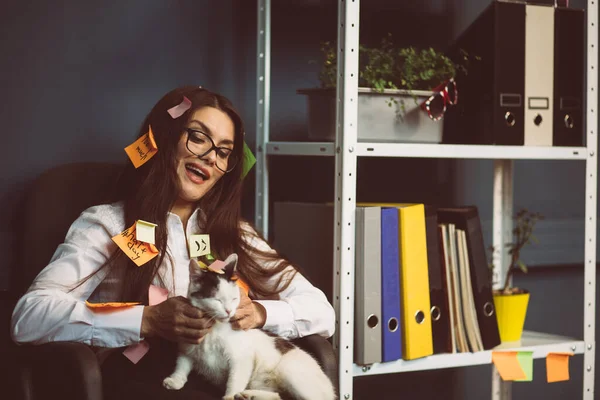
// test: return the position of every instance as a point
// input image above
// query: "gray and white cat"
(251, 364)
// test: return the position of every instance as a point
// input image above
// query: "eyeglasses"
(200, 144)
(445, 94)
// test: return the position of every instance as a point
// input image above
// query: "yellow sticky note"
(557, 366)
(144, 231)
(199, 245)
(139, 252)
(525, 359)
(508, 366)
(142, 150)
(110, 305)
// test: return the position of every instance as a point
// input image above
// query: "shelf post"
(502, 233)
(591, 168)
(263, 106)
(345, 189)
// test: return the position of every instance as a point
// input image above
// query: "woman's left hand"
(249, 314)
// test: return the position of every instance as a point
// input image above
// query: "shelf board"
(540, 343)
(432, 150)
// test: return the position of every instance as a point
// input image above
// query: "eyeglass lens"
(200, 144)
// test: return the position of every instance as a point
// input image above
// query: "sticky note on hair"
(139, 252)
(136, 352)
(199, 245)
(217, 266)
(508, 366)
(142, 150)
(557, 366)
(179, 109)
(144, 231)
(248, 161)
(525, 359)
(110, 305)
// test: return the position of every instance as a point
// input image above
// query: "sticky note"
(144, 231)
(199, 245)
(217, 266)
(110, 305)
(179, 109)
(507, 365)
(525, 359)
(557, 366)
(242, 285)
(156, 295)
(135, 352)
(139, 252)
(248, 161)
(142, 150)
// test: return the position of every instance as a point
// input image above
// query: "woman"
(192, 185)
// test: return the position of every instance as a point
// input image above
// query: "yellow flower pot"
(511, 310)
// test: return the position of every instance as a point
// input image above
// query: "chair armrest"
(322, 350)
(59, 370)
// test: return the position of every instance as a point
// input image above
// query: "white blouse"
(50, 312)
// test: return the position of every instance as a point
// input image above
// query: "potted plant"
(395, 85)
(511, 302)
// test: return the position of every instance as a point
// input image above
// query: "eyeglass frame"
(213, 147)
(443, 91)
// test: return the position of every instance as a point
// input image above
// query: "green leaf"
(522, 266)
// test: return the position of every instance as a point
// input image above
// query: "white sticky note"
(144, 231)
(199, 245)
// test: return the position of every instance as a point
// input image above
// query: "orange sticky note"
(139, 252)
(557, 366)
(143, 149)
(508, 366)
(110, 305)
(243, 285)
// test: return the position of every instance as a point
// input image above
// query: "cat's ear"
(230, 265)
(195, 269)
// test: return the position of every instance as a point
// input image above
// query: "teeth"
(196, 170)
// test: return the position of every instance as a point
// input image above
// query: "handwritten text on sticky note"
(557, 366)
(139, 252)
(199, 245)
(507, 365)
(142, 150)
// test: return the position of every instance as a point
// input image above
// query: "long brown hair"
(150, 191)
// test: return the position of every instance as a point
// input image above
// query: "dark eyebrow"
(206, 130)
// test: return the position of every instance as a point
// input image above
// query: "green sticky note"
(248, 161)
(525, 359)
(210, 257)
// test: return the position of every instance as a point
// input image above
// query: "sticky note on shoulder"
(139, 252)
(557, 366)
(143, 149)
(144, 231)
(248, 161)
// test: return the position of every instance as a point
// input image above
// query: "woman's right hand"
(177, 320)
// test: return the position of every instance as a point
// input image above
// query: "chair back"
(55, 199)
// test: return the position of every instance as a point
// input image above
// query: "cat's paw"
(256, 395)
(174, 382)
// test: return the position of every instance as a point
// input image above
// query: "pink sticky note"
(217, 266)
(156, 295)
(135, 352)
(180, 108)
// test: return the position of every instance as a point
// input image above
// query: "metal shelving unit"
(347, 149)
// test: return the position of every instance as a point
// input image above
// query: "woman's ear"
(230, 265)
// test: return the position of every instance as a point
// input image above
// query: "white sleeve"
(302, 310)
(50, 311)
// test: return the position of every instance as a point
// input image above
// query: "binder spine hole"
(372, 321)
(392, 324)
(435, 313)
(488, 309)
(420, 317)
(510, 119)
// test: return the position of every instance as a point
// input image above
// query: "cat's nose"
(228, 311)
